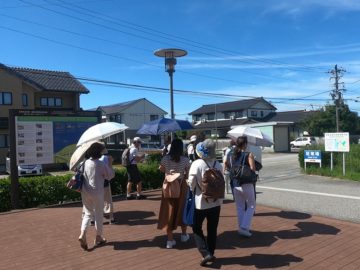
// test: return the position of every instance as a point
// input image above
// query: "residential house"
(216, 119)
(33, 89)
(133, 114)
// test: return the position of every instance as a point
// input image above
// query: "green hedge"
(352, 161)
(49, 190)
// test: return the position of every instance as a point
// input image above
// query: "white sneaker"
(170, 244)
(185, 237)
(245, 233)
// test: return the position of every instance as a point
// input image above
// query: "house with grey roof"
(219, 117)
(216, 120)
(34, 89)
(133, 114)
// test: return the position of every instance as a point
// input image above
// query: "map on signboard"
(337, 142)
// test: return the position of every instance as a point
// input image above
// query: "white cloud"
(300, 6)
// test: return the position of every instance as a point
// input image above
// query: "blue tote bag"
(189, 208)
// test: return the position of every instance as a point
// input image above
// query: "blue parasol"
(164, 125)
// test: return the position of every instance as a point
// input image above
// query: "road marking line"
(311, 192)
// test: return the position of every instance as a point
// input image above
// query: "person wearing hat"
(204, 208)
(133, 171)
(191, 148)
(92, 192)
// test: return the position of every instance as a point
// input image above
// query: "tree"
(324, 120)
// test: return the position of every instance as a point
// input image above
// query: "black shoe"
(130, 197)
(206, 259)
(92, 223)
(140, 197)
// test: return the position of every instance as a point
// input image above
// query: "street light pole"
(171, 94)
(170, 62)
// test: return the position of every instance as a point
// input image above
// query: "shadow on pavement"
(285, 214)
(259, 261)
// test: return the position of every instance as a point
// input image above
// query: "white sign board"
(34, 142)
(337, 142)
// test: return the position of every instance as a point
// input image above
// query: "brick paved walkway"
(47, 239)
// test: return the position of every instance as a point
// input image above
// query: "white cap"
(193, 138)
(137, 139)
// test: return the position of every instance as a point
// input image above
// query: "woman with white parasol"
(92, 192)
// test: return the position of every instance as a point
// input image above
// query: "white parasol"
(101, 131)
(255, 135)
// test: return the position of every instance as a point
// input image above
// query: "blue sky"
(279, 49)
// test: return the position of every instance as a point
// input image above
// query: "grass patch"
(352, 163)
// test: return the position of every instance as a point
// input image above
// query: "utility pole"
(336, 94)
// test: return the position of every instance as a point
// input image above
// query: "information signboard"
(337, 142)
(39, 138)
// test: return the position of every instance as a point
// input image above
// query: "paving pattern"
(47, 239)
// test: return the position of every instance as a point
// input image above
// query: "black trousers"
(206, 246)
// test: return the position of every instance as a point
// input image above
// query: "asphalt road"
(282, 185)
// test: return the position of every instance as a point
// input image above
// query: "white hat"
(193, 138)
(137, 139)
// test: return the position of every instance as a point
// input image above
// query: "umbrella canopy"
(101, 131)
(255, 135)
(79, 154)
(164, 125)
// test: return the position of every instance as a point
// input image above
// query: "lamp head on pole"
(170, 58)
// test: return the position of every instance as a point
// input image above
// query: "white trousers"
(108, 203)
(245, 198)
(93, 206)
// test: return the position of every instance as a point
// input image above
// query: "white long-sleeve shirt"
(197, 170)
(95, 172)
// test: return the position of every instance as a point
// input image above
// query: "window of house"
(227, 115)
(24, 99)
(4, 141)
(197, 117)
(238, 114)
(154, 117)
(118, 118)
(5, 98)
(211, 116)
(253, 113)
(262, 113)
(58, 102)
(50, 102)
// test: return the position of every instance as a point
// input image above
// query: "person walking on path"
(244, 194)
(191, 148)
(92, 192)
(108, 203)
(133, 171)
(171, 209)
(208, 209)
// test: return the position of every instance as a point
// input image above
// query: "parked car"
(23, 170)
(302, 141)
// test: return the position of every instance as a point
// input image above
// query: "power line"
(181, 39)
(159, 89)
(131, 34)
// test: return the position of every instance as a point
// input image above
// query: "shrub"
(352, 162)
(49, 190)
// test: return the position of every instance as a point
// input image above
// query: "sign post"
(313, 156)
(337, 142)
